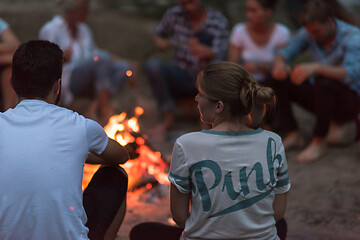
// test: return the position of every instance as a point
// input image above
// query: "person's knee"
(324, 84)
(139, 231)
(116, 175)
(154, 66)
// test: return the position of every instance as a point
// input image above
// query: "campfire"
(146, 166)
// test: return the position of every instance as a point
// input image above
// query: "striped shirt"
(213, 32)
(344, 51)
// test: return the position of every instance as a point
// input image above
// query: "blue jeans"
(169, 83)
(90, 77)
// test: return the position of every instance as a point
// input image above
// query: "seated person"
(255, 42)
(229, 182)
(87, 69)
(43, 151)
(328, 85)
(8, 44)
(199, 35)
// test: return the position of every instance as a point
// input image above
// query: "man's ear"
(219, 106)
(57, 86)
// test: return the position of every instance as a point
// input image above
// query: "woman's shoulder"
(281, 28)
(273, 135)
(191, 138)
(241, 26)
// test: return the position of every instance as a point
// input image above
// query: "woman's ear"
(219, 106)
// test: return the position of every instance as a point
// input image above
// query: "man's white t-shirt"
(233, 178)
(43, 148)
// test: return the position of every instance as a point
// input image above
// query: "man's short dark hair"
(36, 66)
(322, 10)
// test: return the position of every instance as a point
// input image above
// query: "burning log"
(146, 167)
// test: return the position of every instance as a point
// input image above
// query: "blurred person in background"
(88, 70)
(328, 84)
(198, 35)
(8, 44)
(255, 42)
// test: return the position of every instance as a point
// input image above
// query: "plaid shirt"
(345, 51)
(213, 32)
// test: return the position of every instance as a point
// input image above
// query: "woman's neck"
(230, 126)
(261, 28)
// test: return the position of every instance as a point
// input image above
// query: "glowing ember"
(148, 165)
(96, 58)
(129, 73)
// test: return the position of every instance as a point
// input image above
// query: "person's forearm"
(337, 73)
(161, 43)
(234, 54)
(208, 53)
(179, 206)
(6, 59)
(8, 47)
(279, 59)
(279, 206)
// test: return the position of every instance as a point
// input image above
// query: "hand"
(199, 50)
(303, 71)
(280, 70)
(162, 43)
(250, 67)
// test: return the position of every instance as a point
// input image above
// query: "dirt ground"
(324, 201)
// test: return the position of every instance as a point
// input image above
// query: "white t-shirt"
(252, 52)
(233, 178)
(82, 47)
(43, 148)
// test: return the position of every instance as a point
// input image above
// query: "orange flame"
(149, 163)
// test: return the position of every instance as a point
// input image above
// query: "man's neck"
(198, 17)
(332, 35)
(48, 99)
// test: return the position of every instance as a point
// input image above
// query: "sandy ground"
(324, 201)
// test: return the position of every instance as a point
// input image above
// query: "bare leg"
(106, 110)
(313, 152)
(158, 133)
(9, 95)
(293, 140)
(111, 232)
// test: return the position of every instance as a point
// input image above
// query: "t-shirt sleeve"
(96, 137)
(282, 175)
(3, 25)
(179, 173)
(236, 36)
(283, 35)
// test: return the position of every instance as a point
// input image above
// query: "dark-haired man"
(328, 86)
(43, 148)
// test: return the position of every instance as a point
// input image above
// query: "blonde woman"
(229, 182)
